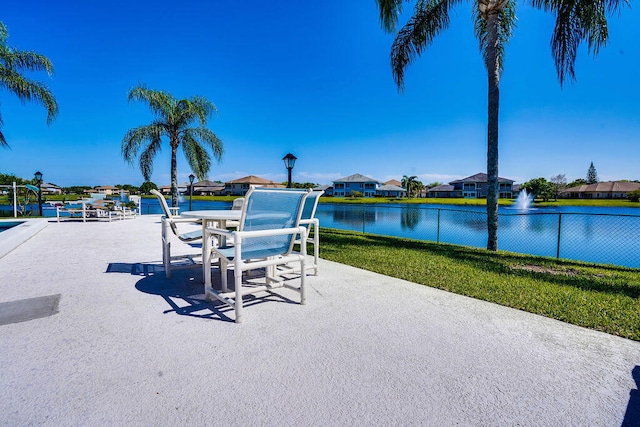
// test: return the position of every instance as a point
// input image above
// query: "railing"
(599, 238)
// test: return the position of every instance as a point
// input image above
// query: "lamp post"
(289, 162)
(191, 178)
(38, 177)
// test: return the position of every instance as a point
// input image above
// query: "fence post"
(438, 236)
(559, 231)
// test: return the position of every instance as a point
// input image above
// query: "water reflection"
(409, 218)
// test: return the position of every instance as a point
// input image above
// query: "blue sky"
(313, 78)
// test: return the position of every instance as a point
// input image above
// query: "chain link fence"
(598, 238)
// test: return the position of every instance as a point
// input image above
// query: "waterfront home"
(208, 188)
(328, 189)
(106, 189)
(182, 188)
(356, 182)
(443, 191)
(239, 187)
(472, 187)
(601, 190)
(48, 188)
(391, 190)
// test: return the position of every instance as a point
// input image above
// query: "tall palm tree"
(494, 20)
(12, 63)
(407, 183)
(173, 120)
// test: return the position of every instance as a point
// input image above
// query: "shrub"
(634, 195)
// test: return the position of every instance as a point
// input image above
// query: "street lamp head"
(289, 161)
(38, 176)
(191, 178)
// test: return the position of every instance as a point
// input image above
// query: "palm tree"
(407, 183)
(494, 20)
(12, 63)
(173, 118)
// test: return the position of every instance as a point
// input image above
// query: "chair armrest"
(219, 232)
(270, 232)
(181, 220)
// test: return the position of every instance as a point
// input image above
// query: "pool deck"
(93, 334)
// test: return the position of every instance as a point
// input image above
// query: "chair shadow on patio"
(184, 292)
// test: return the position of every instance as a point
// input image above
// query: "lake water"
(593, 234)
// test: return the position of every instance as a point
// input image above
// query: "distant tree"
(8, 179)
(493, 24)
(592, 175)
(147, 186)
(173, 120)
(13, 63)
(75, 189)
(301, 184)
(559, 183)
(407, 183)
(576, 183)
(634, 195)
(418, 186)
(434, 184)
(539, 187)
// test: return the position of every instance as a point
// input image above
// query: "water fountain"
(523, 201)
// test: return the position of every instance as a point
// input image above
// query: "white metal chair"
(308, 220)
(269, 224)
(170, 221)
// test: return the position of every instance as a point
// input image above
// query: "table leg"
(206, 256)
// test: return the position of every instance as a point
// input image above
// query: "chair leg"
(316, 249)
(166, 258)
(237, 273)
(303, 273)
(223, 274)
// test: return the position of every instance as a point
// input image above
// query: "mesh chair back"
(166, 210)
(310, 205)
(268, 209)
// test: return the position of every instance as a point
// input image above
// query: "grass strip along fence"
(601, 297)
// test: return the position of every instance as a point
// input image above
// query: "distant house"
(182, 188)
(208, 188)
(394, 182)
(106, 189)
(475, 186)
(48, 188)
(328, 189)
(391, 190)
(601, 190)
(443, 191)
(363, 184)
(240, 186)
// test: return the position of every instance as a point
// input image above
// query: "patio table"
(221, 216)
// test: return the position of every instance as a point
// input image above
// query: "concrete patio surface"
(124, 346)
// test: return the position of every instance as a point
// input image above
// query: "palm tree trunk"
(493, 72)
(174, 175)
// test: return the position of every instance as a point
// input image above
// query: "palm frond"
(196, 155)
(133, 139)
(23, 60)
(210, 140)
(577, 21)
(147, 156)
(389, 11)
(161, 103)
(506, 24)
(3, 142)
(29, 90)
(430, 18)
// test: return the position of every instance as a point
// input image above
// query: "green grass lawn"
(600, 297)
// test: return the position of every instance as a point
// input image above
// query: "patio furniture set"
(258, 233)
(96, 208)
